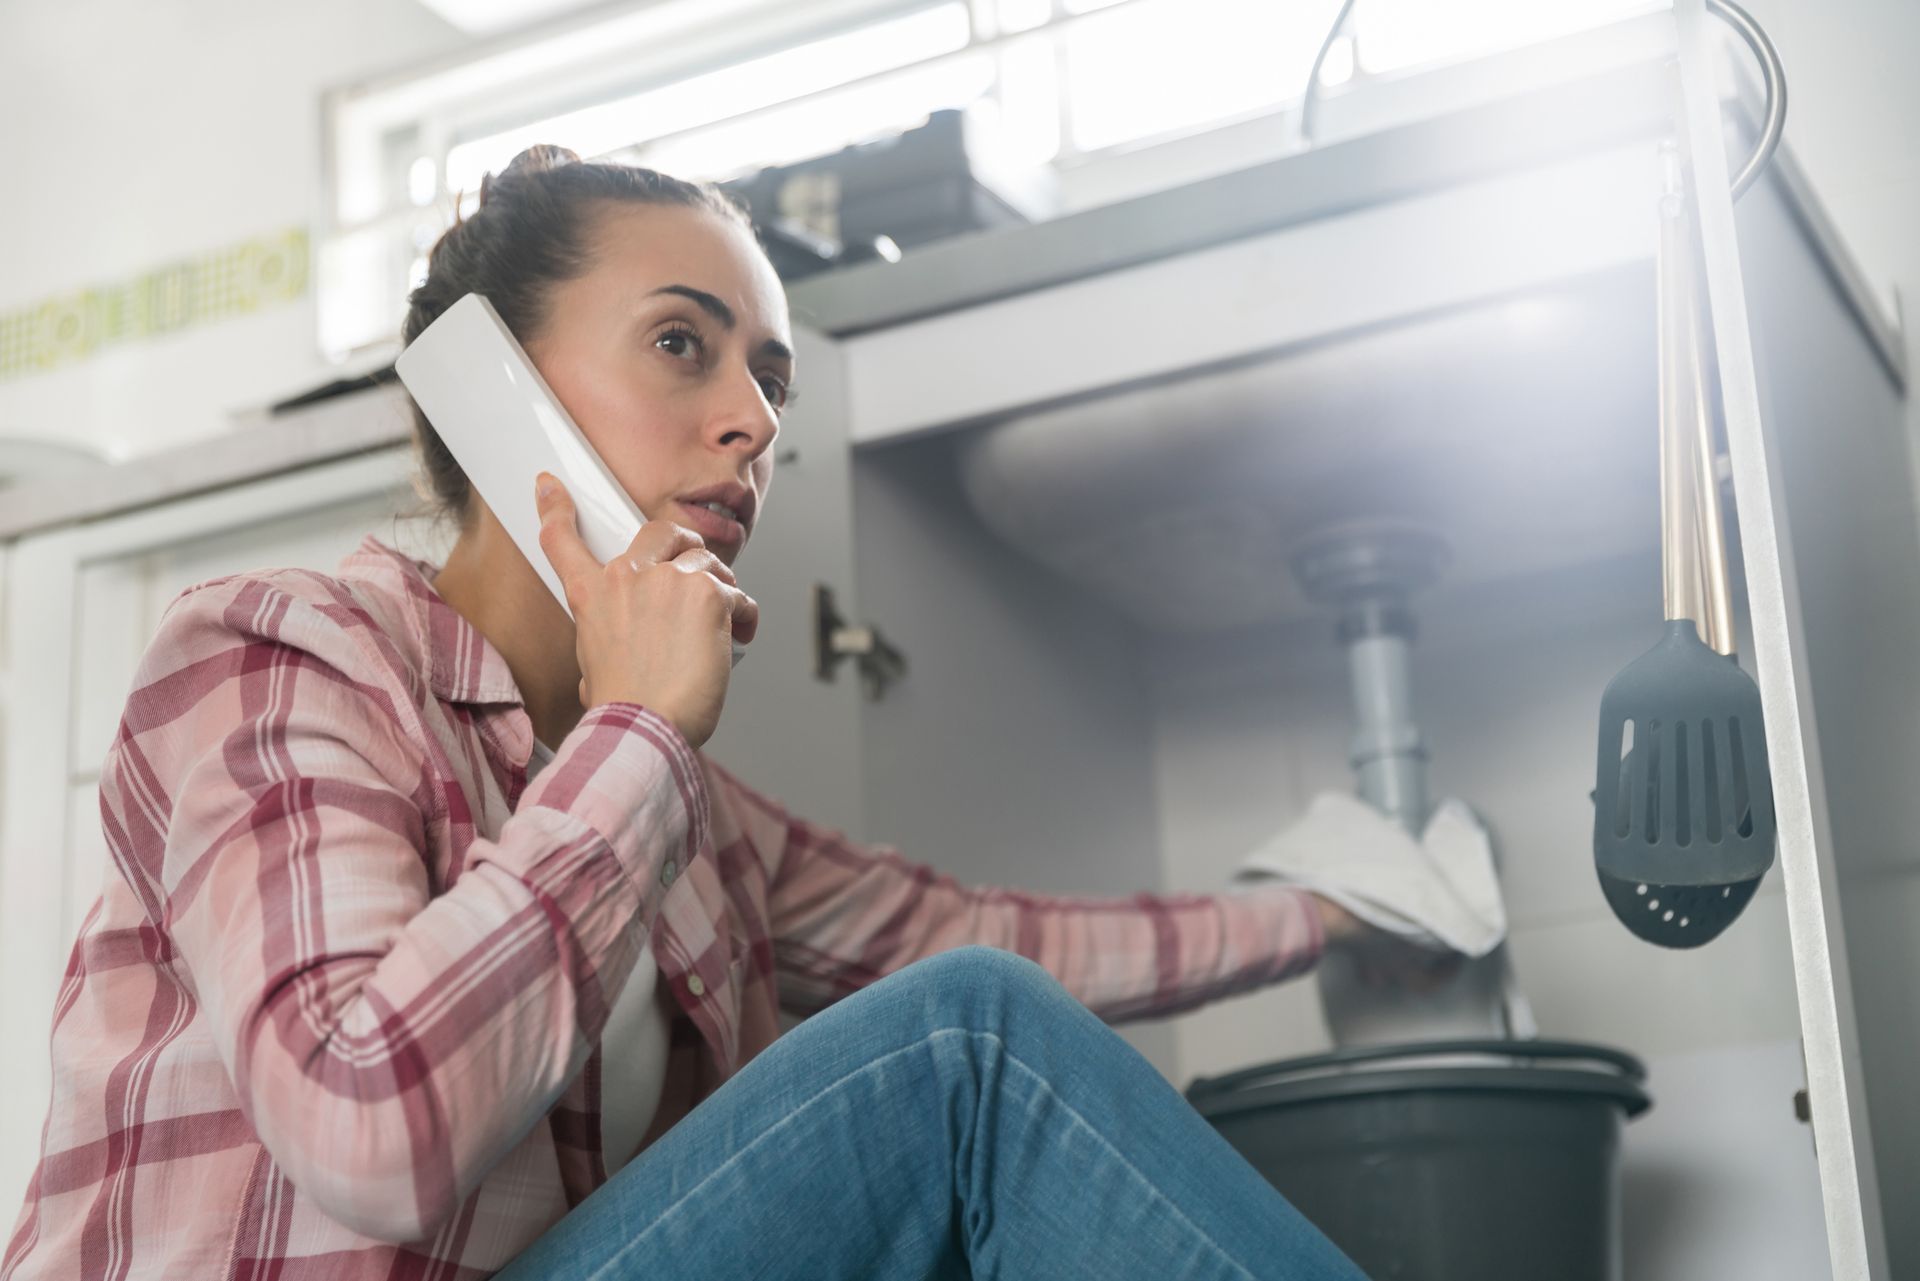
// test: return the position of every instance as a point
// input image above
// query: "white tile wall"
(1718, 1180)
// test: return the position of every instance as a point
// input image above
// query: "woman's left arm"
(844, 914)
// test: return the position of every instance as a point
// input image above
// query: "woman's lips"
(712, 526)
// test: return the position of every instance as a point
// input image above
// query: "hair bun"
(539, 158)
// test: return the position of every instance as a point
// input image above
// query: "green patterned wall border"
(229, 281)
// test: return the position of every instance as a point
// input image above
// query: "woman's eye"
(775, 391)
(679, 342)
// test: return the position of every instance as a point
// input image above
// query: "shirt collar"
(462, 666)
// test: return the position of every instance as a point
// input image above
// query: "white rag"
(1438, 892)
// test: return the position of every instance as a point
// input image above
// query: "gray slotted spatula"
(1683, 826)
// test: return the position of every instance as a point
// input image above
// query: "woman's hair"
(531, 231)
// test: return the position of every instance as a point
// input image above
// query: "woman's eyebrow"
(708, 303)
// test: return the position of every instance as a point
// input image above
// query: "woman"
(429, 928)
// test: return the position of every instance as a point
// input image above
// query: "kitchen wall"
(143, 133)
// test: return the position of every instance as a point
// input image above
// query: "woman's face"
(673, 355)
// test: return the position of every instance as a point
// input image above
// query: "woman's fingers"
(745, 611)
(696, 558)
(746, 617)
(560, 535)
(647, 623)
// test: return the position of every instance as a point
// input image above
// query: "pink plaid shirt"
(336, 1013)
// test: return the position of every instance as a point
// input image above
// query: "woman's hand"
(1383, 958)
(655, 624)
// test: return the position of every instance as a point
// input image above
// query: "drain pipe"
(1366, 572)
(1389, 756)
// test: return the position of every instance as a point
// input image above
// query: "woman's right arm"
(266, 801)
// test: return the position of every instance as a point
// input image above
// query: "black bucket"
(1445, 1161)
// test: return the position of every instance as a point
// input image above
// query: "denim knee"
(981, 978)
(981, 963)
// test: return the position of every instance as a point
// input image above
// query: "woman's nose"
(742, 416)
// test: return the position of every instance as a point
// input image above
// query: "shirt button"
(669, 871)
(695, 986)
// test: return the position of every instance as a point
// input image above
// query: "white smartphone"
(504, 426)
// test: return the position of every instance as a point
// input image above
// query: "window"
(716, 88)
(744, 89)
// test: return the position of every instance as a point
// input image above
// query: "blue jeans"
(963, 1117)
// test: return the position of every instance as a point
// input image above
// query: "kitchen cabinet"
(1450, 320)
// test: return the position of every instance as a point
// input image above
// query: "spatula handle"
(1716, 597)
(1693, 534)
(1680, 568)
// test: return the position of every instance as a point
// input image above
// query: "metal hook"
(1775, 78)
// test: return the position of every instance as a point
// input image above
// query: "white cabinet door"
(784, 732)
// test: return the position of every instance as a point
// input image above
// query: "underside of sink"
(1522, 431)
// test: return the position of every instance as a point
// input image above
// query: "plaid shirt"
(336, 1013)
